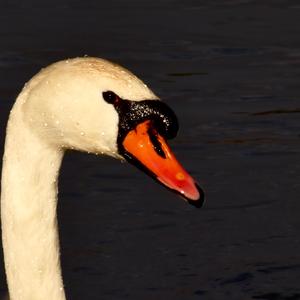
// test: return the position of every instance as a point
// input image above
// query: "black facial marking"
(163, 121)
(110, 97)
(131, 113)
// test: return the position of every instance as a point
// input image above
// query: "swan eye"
(110, 97)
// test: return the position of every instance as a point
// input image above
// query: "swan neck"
(28, 214)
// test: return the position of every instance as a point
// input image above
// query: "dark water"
(230, 69)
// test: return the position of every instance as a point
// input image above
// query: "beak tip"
(200, 201)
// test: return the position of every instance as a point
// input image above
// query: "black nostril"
(156, 143)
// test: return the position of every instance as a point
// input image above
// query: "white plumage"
(61, 107)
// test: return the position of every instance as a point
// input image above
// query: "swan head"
(93, 105)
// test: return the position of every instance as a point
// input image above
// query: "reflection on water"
(277, 111)
(187, 74)
(230, 71)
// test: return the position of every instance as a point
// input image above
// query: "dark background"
(230, 69)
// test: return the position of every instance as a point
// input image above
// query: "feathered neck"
(28, 213)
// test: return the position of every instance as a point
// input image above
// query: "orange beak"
(152, 153)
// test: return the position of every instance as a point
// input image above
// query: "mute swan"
(87, 104)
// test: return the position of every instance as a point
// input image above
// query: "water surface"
(231, 72)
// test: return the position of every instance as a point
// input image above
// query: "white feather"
(61, 107)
